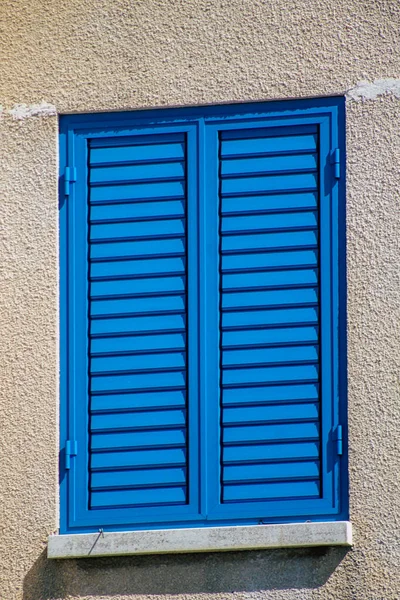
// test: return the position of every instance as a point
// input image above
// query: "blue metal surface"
(120, 236)
(202, 308)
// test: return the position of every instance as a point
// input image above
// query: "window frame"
(74, 131)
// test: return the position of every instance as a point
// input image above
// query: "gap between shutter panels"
(269, 279)
(138, 418)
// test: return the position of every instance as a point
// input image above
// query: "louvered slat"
(145, 192)
(131, 286)
(269, 320)
(279, 202)
(138, 342)
(109, 403)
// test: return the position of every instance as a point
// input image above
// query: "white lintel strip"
(206, 539)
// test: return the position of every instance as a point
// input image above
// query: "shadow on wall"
(181, 574)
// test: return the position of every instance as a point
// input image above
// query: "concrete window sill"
(207, 539)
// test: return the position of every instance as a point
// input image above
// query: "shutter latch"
(71, 449)
(69, 177)
(338, 438)
(335, 161)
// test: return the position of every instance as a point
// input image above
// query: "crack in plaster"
(372, 91)
(24, 111)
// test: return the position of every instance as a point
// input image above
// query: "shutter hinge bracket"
(69, 177)
(335, 161)
(338, 438)
(71, 449)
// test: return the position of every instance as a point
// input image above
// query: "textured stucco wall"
(88, 55)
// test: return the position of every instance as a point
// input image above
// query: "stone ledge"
(205, 539)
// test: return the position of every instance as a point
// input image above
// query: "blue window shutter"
(131, 203)
(277, 321)
(138, 323)
(201, 379)
(269, 315)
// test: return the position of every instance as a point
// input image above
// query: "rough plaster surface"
(28, 345)
(88, 55)
(111, 54)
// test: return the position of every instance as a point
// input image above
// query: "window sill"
(207, 539)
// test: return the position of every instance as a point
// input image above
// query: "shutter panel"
(138, 322)
(270, 315)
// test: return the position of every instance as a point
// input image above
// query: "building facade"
(98, 57)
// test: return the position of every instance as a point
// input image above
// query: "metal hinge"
(69, 177)
(338, 438)
(335, 161)
(71, 449)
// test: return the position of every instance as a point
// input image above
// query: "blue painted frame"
(201, 125)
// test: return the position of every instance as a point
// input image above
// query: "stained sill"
(207, 539)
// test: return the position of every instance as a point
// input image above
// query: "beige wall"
(88, 55)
